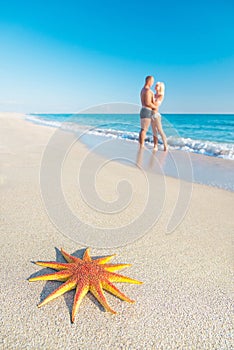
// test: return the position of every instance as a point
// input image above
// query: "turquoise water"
(209, 134)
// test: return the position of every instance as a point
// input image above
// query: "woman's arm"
(149, 100)
(158, 98)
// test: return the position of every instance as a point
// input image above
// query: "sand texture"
(186, 299)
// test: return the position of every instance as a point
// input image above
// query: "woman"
(156, 117)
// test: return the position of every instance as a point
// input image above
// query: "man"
(148, 106)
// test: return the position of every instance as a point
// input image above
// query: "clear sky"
(62, 56)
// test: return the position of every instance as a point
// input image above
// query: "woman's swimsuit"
(155, 115)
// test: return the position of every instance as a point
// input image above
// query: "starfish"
(85, 275)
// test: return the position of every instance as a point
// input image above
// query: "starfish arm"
(115, 277)
(96, 290)
(70, 258)
(85, 275)
(53, 265)
(55, 276)
(105, 259)
(87, 256)
(113, 290)
(81, 291)
(115, 267)
(65, 287)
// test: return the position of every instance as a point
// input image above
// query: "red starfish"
(85, 275)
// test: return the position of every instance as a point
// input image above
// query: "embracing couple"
(149, 112)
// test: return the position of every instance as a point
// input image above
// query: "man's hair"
(148, 78)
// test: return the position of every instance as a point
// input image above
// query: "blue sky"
(63, 56)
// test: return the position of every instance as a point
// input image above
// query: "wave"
(38, 120)
(209, 148)
(215, 149)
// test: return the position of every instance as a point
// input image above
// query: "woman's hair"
(161, 87)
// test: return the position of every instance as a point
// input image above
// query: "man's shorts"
(145, 114)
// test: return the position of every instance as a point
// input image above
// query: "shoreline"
(197, 168)
(190, 167)
(186, 299)
(126, 127)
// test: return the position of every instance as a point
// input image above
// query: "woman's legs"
(155, 133)
(161, 132)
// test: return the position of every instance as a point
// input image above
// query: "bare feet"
(155, 149)
(165, 148)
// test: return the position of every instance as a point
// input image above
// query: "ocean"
(201, 146)
(207, 134)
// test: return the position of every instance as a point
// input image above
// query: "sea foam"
(211, 148)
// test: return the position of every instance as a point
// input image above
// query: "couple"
(149, 112)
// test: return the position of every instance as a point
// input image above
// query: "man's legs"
(145, 123)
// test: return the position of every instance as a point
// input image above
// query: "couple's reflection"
(151, 159)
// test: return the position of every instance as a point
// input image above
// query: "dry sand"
(185, 301)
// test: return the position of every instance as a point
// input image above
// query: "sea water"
(201, 146)
(208, 134)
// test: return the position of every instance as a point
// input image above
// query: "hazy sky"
(63, 56)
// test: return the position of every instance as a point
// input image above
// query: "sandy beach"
(186, 299)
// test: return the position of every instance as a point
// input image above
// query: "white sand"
(185, 301)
